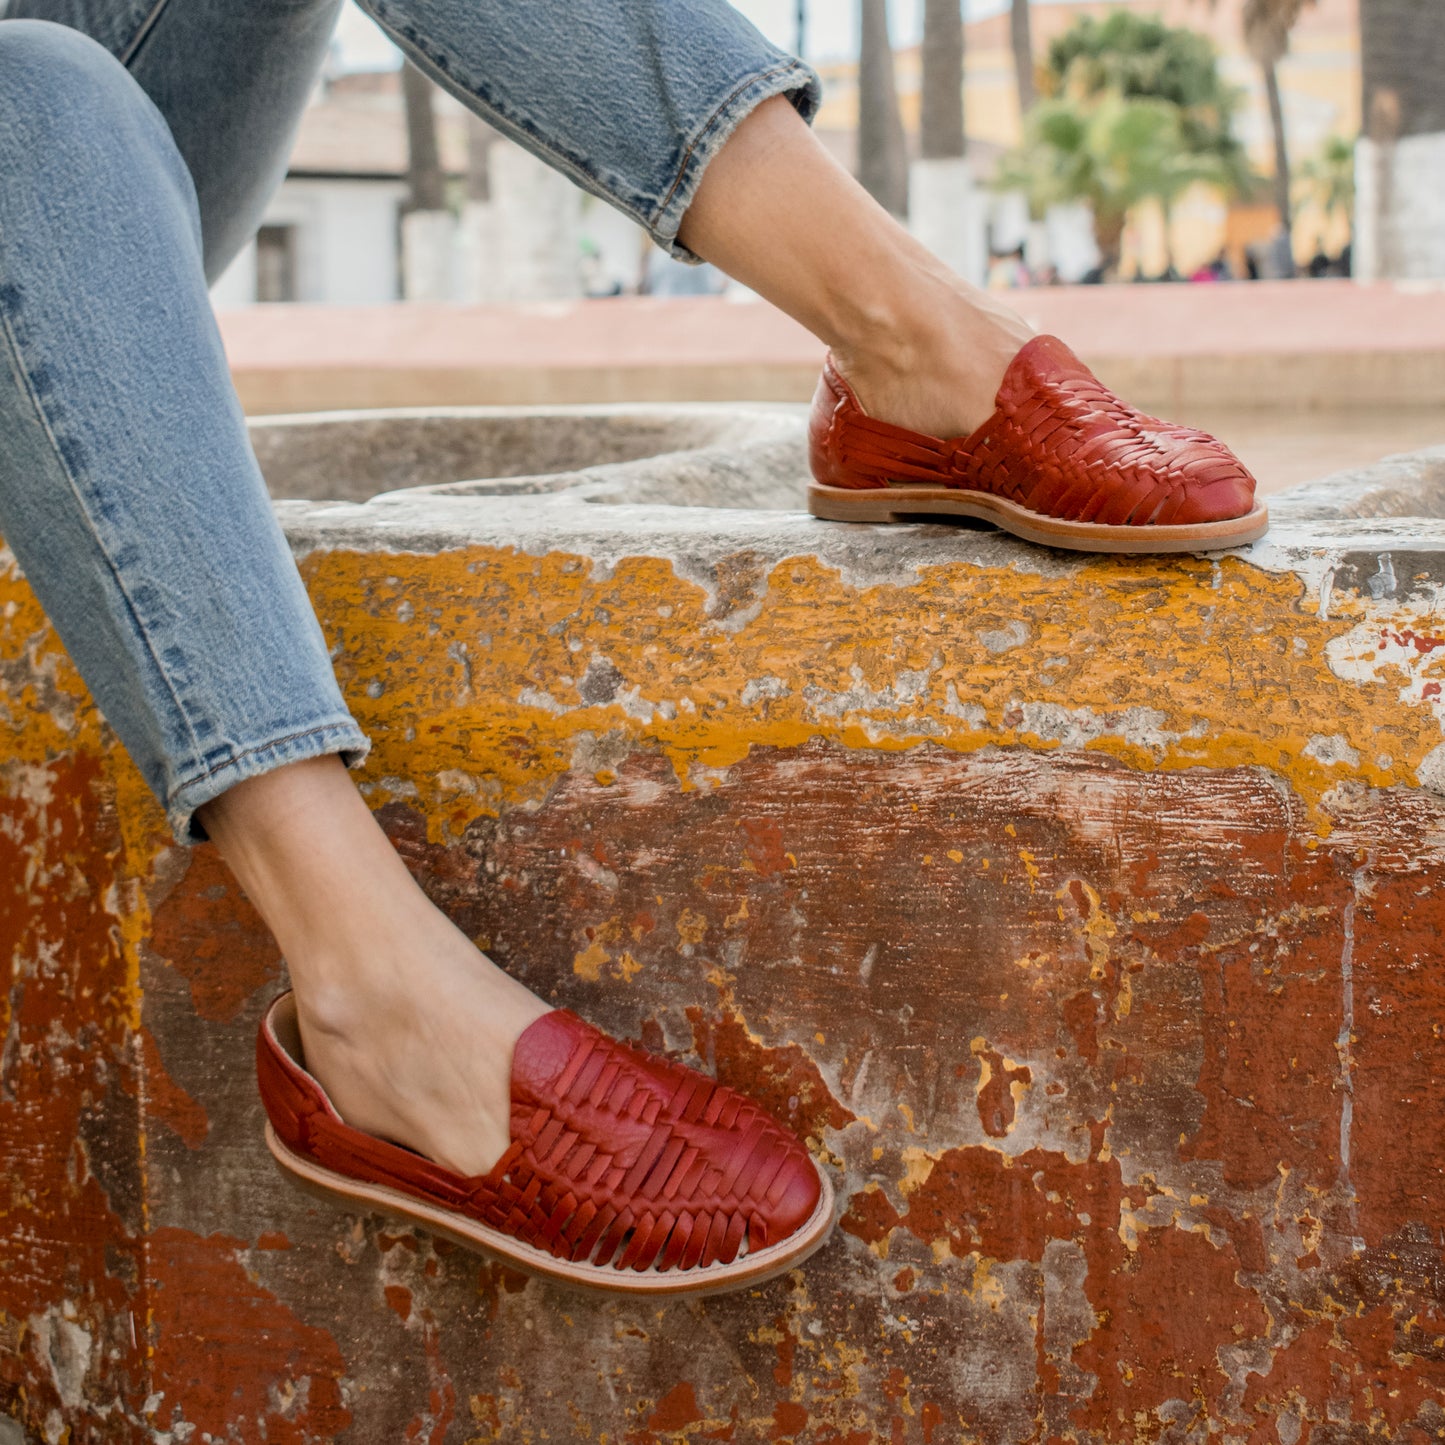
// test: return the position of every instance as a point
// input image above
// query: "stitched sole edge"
(753, 1269)
(917, 502)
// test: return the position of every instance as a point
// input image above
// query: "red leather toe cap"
(639, 1162)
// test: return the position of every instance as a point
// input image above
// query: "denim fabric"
(630, 98)
(128, 492)
(139, 143)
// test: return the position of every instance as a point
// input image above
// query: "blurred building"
(332, 232)
(1319, 81)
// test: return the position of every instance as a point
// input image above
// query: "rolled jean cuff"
(789, 77)
(335, 735)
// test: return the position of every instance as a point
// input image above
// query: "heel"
(848, 504)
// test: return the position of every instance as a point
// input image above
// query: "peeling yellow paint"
(1129, 1226)
(917, 1166)
(985, 1288)
(691, 927)
(588, 963)
(1031, 868)
(985, 1069)
(1218, 693)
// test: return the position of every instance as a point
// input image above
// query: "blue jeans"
(139, 143)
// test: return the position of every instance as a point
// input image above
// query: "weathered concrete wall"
(1081, 913)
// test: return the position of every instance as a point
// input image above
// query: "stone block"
(1083, 914)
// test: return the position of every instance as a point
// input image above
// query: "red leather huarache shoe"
(625, 1172)
(1061, 461)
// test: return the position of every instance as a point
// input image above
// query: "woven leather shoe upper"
(617, 1157)
(1059, 442)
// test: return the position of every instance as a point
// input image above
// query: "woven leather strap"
(1059, 442)
(617, 1158)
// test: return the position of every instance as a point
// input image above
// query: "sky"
(831, 27)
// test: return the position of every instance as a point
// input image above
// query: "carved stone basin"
(684, 455)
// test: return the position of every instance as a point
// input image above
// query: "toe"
(794, 1195)
(1218, 487)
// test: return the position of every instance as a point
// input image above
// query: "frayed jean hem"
(340, 735)
(790, 77)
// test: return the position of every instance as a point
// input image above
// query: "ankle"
(937, 318)
(417, 981)
(341, 1010)
(934, 362)
(893, 332)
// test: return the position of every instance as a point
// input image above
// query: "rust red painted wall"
(72, 1295)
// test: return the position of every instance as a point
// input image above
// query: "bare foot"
(936, 370)
(922, 348)
(408, 1028)
(416, 1045)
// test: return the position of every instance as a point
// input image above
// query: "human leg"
(923, 347)
(673, 113)
(231, 80)
(409, 1027)
(934, 398)
(127, 488)
(632, 99)
(132, 501)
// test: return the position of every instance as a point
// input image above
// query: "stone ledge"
(1408, 485)
(1082, 913)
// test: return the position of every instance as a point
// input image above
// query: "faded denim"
(139, 143)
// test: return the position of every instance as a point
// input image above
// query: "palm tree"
(1328, 178)
(943, 207)
(1136, 110)
(426, 190)
(1141, 58)
(1267, 24)
(882, 149)
(1114, 153)
(1021, 36)
(1402, 45)
(480, 140)
(941, 122)
(427, 232)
